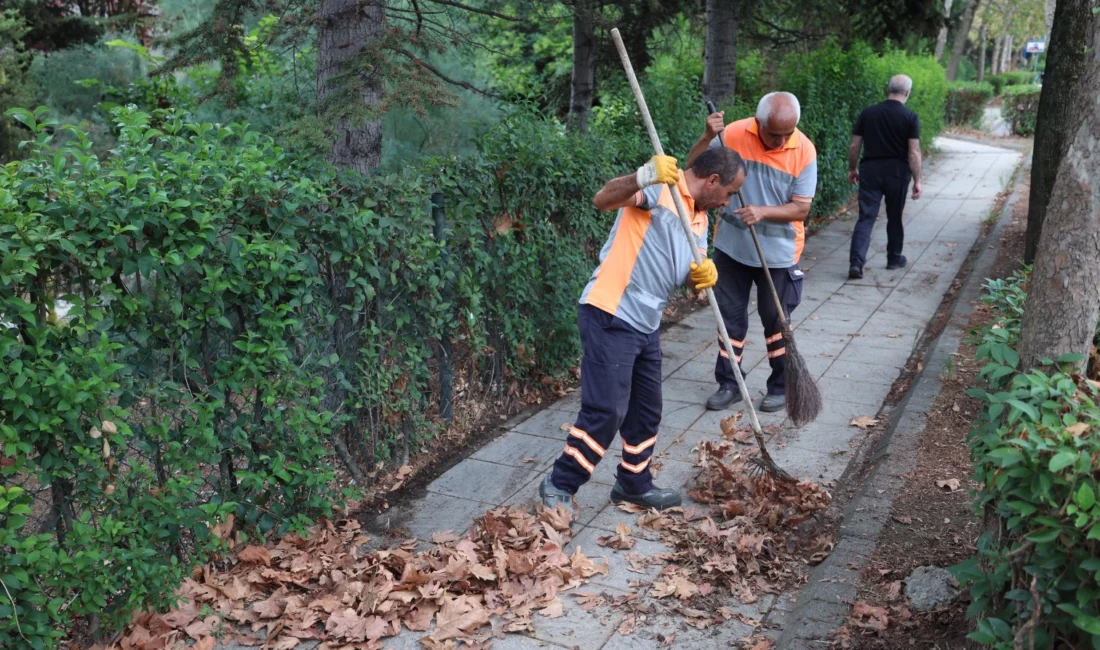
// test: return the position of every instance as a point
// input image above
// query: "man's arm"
(786, 213)
(617, 193)
(715, 126)
(853, 158)
(914, 166)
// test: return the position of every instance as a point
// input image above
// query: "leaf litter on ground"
(510, 565)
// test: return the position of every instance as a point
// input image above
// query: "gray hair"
(899, 85)
(766, 109)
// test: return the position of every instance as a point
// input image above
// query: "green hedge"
(966, 102)
(1005, 80)
(1034, 449)
(237, 315)
(1020, 108)
(834, 85)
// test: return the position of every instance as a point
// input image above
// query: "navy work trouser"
(620, 392)
(733, 291)
(878, 179)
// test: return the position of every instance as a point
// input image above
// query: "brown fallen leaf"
(864, 422)
(626, 628)
(556, 609)
(870, 616)
(205, 643)
(950, 484)
(254, 555)
(530, 459)
(1077, 429)
(893, 336)
(444, 537)
(901, 519)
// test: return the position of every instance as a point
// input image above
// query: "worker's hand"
(751, 214)
(715, 124)
(853, 177)
(703, 276)
(659, 169)
(917, 189)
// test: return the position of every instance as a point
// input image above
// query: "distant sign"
(1034, 47)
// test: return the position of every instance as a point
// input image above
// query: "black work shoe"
(723, 399)
(553, 496)
(772, 403)
(657, 497)
(899, 263)
(855, 272)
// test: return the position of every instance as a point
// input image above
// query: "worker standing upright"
(780, 182)
(646, 256)
(889, 134)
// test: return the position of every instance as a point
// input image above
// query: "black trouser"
(733, 290)
(620, 393)
(878, 179)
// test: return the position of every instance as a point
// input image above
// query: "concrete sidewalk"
(856, 337)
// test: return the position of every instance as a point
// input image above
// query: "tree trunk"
(941, 39)
(348, 85)
(584, 65)
(981, 54)
(1063, 302)
(1066, 59)
(995, 56)
(959, 46)
(720, 68)
(1006, 52)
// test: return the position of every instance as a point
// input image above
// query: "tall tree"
(1067, 55)
(981, 53)
(584, 64)
(720, 60)
(1063, 302)
(961, 35)
(349, 85)
(941, 38)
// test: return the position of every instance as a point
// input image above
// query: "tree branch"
(454, 82)
(486, 12)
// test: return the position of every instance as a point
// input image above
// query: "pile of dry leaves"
(511, 565)
(752, 542)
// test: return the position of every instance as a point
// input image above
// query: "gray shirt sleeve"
(650, 196)
(805, 186)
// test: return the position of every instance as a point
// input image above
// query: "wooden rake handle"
(685, 221)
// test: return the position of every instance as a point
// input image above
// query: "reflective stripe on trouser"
(733, 291)
(620, 392)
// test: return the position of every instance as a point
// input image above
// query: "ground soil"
(930, 524)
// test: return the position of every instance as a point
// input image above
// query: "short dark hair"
(723, 161)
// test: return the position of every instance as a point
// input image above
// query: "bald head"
(777, 115)
(899, 87)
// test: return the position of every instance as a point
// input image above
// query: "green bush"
(966, 102)
(1020, 108)
(834, 85)
(1034, 450)
(1005, 80)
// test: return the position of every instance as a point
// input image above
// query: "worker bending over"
(646, 256)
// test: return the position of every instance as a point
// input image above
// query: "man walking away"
(645, 258)
(890, 136)
(780, 182)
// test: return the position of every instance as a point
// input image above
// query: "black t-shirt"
(886, 129)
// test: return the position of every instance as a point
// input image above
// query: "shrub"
(1034, 449)
(1020, 108)
(966, 102)
(834, 85)
(1012, 78)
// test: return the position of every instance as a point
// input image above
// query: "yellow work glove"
(659, 169)
(705, 275)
